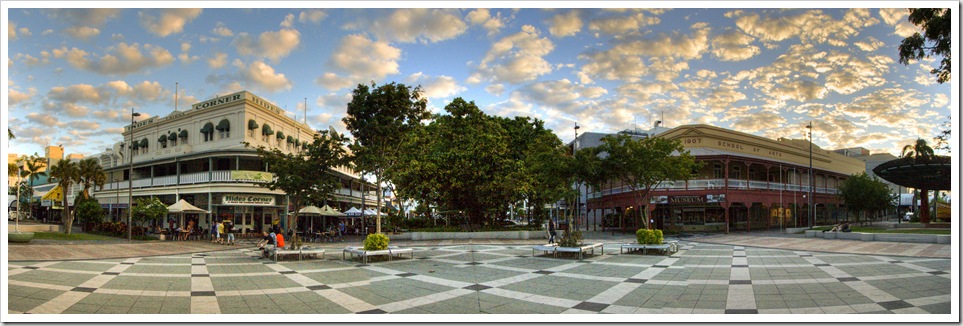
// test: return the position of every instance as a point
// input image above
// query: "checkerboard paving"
(701, 278)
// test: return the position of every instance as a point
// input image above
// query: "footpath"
(48, 251)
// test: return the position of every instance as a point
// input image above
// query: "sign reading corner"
(249, 200)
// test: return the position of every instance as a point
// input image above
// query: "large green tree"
(90, 174)
(66, 173)
(936, 40)
(864, 194)
(148, 209)
(544, 174)
(643, 164)
(305, 174)
(379, 119)
(920, 152)
(589, 168)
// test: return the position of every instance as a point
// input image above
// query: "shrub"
(646, 236)
(571, 238)
(376, 241)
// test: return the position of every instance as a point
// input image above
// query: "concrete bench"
(283, 252)
(555, 249)
(312, 252)
(365, 254)
(665, 248)
(545, 249)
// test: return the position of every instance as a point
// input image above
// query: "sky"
(74, 74)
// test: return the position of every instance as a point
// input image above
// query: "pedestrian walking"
(551, 231)
(229, 229)
(220, 231)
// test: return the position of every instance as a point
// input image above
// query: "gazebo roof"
(933, 174)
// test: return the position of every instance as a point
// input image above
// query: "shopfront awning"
(55, 194)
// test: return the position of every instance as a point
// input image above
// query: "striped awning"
(280, 134)
(172, 136)
(208, 128)
(162, 139)
(266, 129)
(183, 134)
(251, 124)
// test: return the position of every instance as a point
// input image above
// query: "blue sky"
(73, 74)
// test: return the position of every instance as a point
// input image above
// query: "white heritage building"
(199, 156)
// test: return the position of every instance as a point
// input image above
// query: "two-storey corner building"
(746, 183)
(200, 155)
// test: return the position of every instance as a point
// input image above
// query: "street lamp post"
(812, 178)
(130, 174)
(578, 186)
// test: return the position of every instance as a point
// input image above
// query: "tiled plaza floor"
(702, 278)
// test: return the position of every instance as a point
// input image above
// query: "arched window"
(266, 132)
(251, 126)
(208, 131)
(224, 128)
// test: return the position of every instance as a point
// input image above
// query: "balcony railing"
(207, 177)
(719, 184)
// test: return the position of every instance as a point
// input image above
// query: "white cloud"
(809, 26)
(495, 89)
(333, 101)
(185, 57)
(122, 59)
(288, 21)
(625, 61)
(46, 120)
(734, 46)
(415, 25)
(622, 24)
(271, 45)
(85, 125)
(436, 87)
(359, 60)
(11, 30)
(482, 17)
(869, 44)
(222, 30)
(566, 24)
(258, 75)
(218, 60)
(516, 58)
(897, 17)
(562, 94)
(313, 16)
(47, 32)
(16, 97)
(168, 21)
(82, 32)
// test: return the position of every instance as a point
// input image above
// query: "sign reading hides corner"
(248, 200)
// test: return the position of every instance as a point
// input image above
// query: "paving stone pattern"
(702, 278)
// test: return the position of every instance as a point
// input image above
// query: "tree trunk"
(378, 206)
(68, 221)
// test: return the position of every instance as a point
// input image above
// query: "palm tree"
(66, 172)
(920, 153)
(91, 174)
(31, 170)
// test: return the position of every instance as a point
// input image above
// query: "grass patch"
(69, 237)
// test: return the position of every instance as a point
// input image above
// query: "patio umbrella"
(353, 212)
(328, 211)
(182, 207)
(312, 210)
